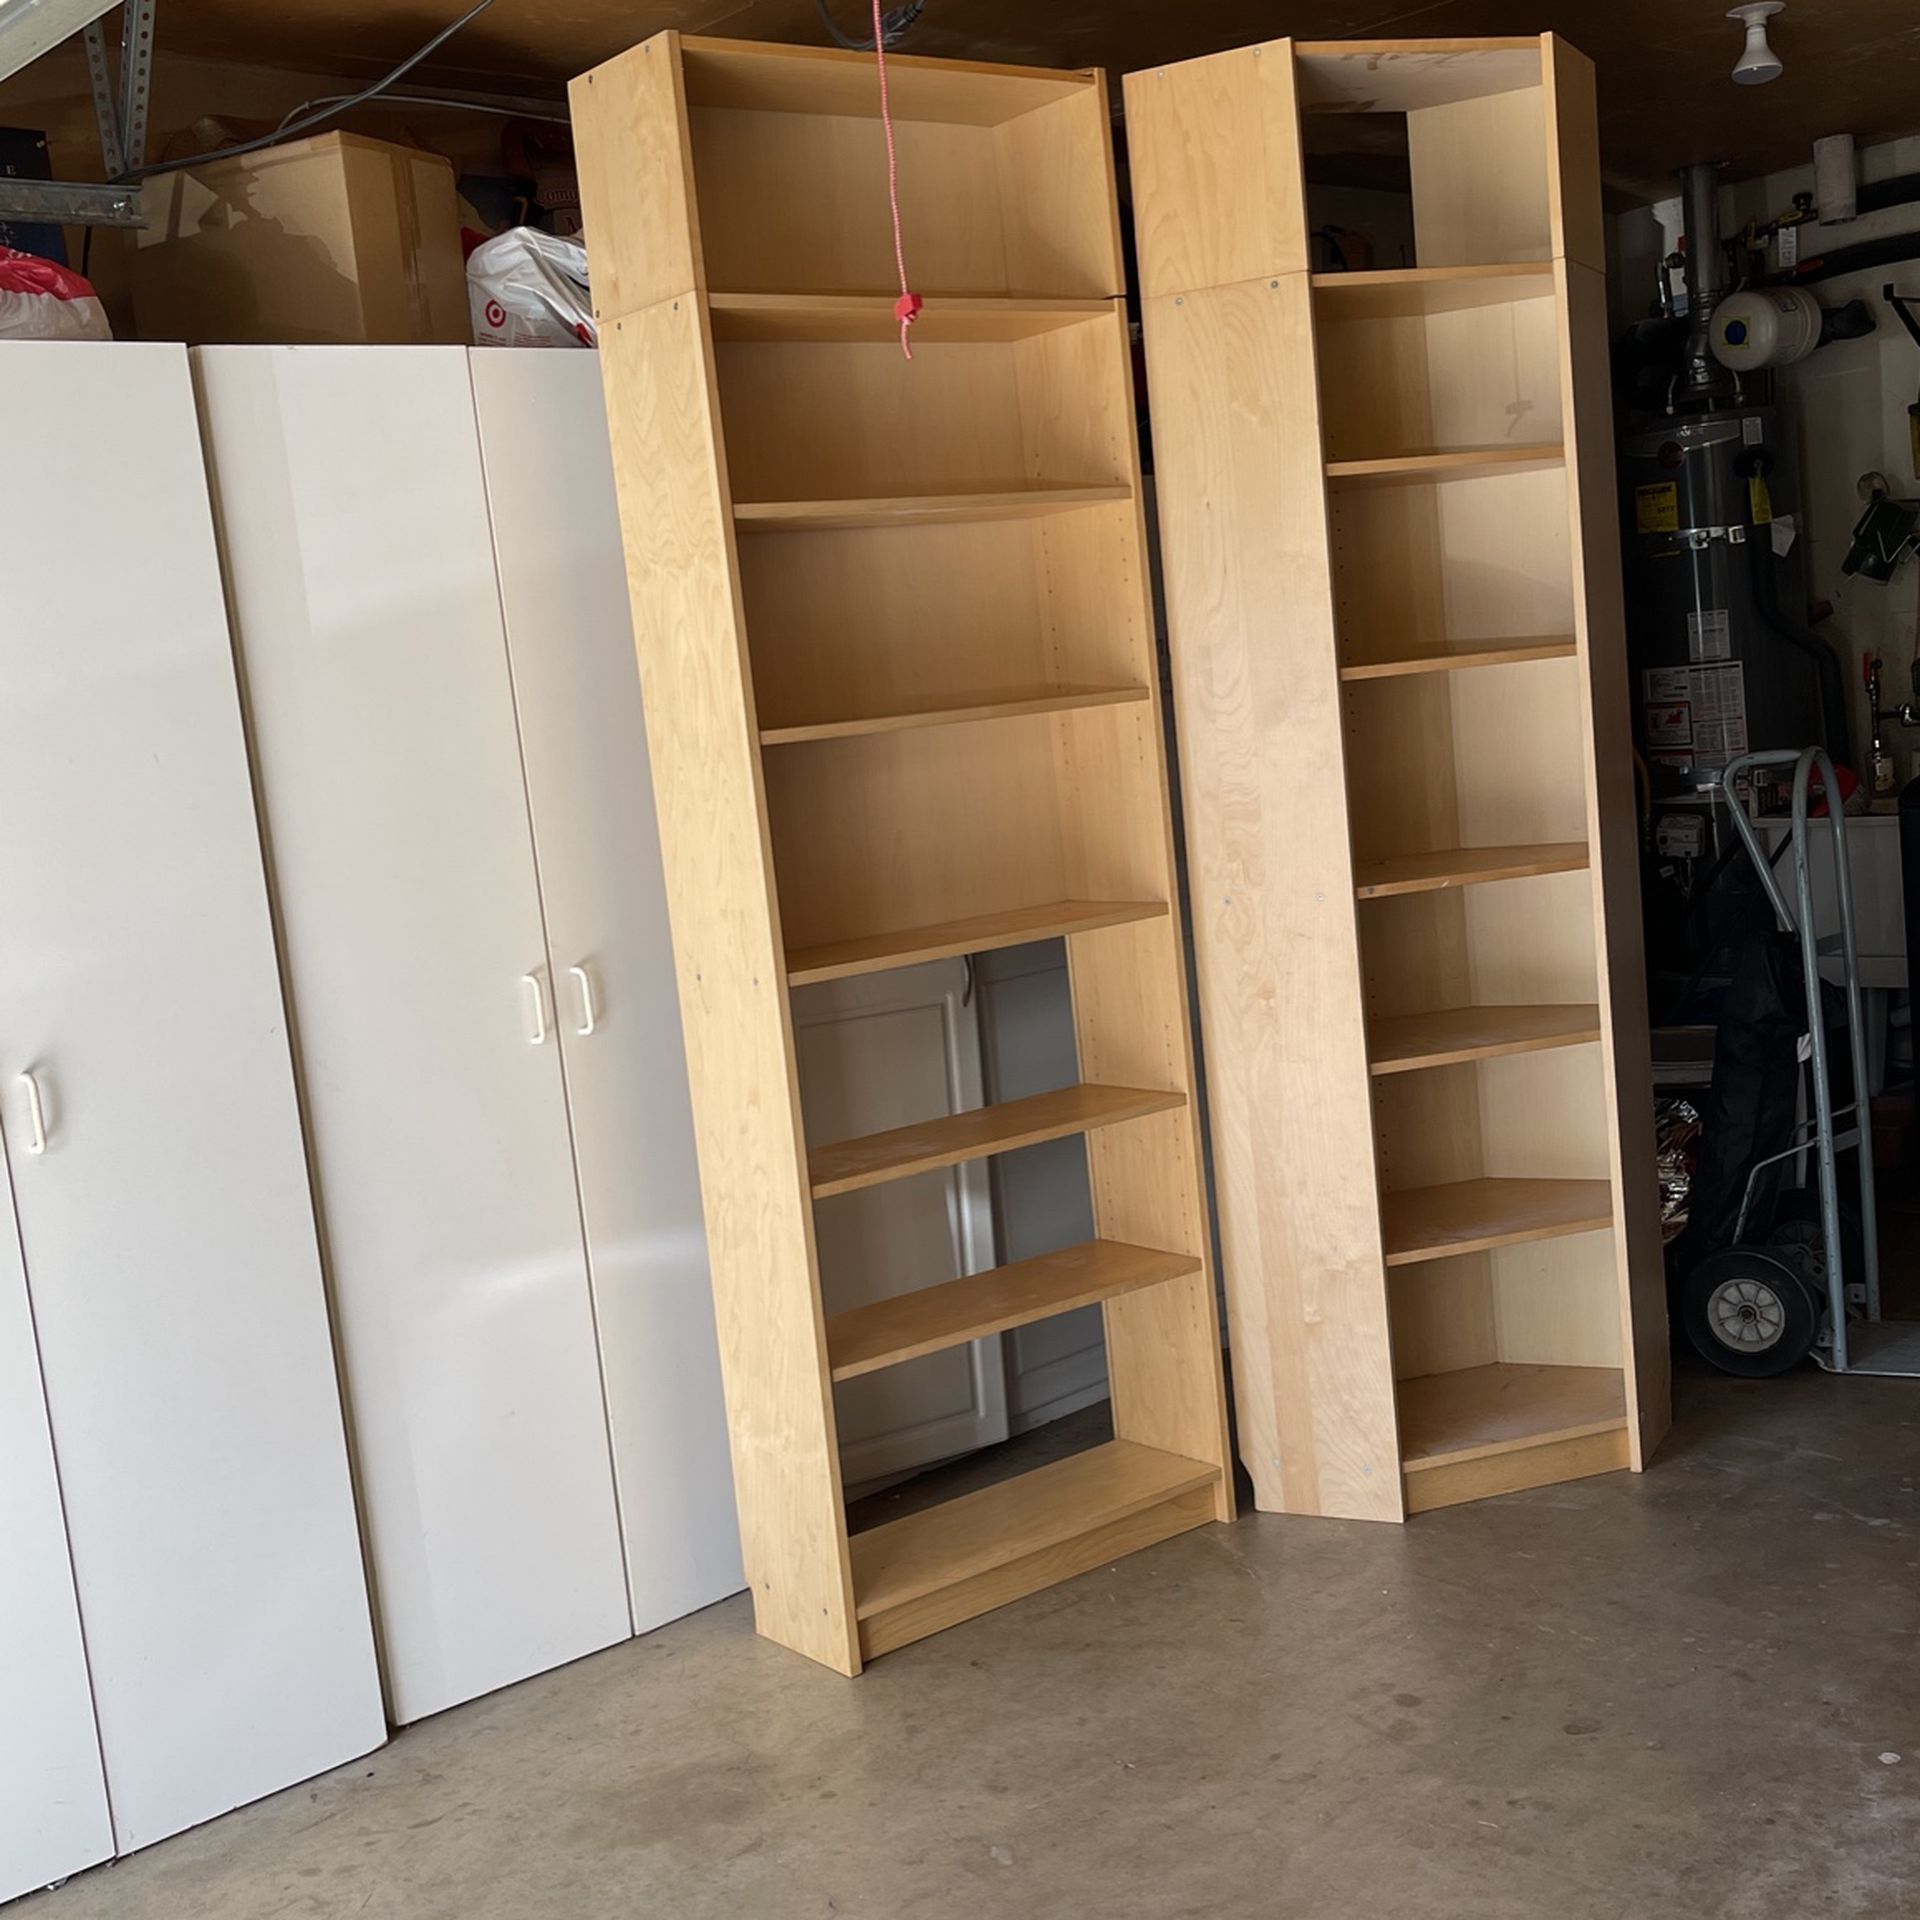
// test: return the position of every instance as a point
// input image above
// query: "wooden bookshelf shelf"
(910, 1324)
(929, 729)
(1465, 867)
(944, 711)
(1408, 291)
(1482, 1410)
(980, 933)
(1464, 655)
(1472, 1216)
(1458, 463)
(848, 1165)
(870, 317)
(918, 510)
(931, 1570)
(1407, 1042)
(1375, 490)
(1499, 1428)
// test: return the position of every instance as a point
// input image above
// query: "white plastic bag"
(42, 301)
(529, 289)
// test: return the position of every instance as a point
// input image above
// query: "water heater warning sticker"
(1656, 509)
(1703, 709)
(1669, 723)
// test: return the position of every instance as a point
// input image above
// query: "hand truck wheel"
(1750, 1312)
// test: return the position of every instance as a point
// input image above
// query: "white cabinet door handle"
(589, 1014)
(36, 1115)
(538, 1037)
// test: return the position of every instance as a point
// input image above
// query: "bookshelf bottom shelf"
(1485, 1430)
(932, 1570)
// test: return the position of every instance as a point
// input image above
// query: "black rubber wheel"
(1749, 1312)
(1796, 1223)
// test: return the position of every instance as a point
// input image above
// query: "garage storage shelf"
(898, 658)
(1387, 514)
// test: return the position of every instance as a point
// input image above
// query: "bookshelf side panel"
(1244, 537)
(702, 736)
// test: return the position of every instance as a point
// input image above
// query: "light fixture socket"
(1758, 63)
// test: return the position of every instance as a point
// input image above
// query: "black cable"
(841, 39)
(894, 26)
(331, 111)
(429, 100)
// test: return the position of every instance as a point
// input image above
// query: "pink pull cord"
(907, 308)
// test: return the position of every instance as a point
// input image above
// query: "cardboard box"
(334, 239)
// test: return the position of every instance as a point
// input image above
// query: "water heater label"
(1701, 709)
(1656, 509)
(1710, 635)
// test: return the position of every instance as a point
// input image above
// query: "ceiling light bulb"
(1758, 63)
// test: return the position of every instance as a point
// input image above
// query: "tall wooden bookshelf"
(1388, 521)
(898, 658)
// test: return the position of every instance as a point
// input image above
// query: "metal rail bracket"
(121, 111)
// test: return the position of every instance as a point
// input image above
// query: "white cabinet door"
(167, 1226)
(887, 1050)
(1041, 1197)
(51, 1785)
(362, 581)
(563, 590)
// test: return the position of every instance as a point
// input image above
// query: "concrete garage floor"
(1693, 1695)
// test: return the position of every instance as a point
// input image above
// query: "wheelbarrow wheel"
(1749, 1312)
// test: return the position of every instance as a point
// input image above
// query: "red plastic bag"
(41, 300)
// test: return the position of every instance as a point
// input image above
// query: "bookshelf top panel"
(781, 79)
(1405, 76)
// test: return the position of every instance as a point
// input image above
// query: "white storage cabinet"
(429, 603)
(183, 1609)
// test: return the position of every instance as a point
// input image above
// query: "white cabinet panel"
(1879, 895)
(1041, 1196)
(167, 1227)
(366, 608)
(888, 1050)
(52, 1789)
(563, 591)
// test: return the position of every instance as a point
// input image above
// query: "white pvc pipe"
(1834, 187)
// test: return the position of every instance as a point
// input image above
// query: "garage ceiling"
(1665, 96)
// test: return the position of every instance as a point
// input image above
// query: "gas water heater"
(1723, 660)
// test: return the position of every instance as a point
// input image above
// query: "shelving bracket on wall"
(120, 110)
